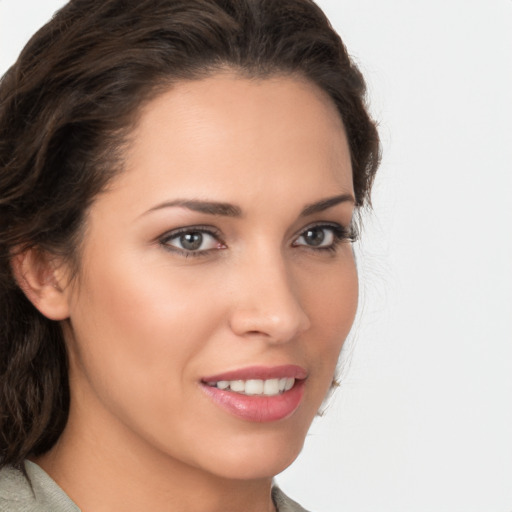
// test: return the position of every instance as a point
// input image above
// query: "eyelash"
(173, 235)
(340, 234)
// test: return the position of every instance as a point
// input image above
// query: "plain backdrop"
(422, 421)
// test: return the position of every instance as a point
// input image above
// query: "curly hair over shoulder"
(66, 107)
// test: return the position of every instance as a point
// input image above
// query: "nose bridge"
(267, 302)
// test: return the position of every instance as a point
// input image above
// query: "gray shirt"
(16, 494)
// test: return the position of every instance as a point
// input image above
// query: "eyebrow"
(231, 210)
(325, 204)
(198, 205)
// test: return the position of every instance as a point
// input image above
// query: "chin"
(263, 456)
(256, 467)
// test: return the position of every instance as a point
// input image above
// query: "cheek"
(136, 326)
(332, 305)
(134, 350)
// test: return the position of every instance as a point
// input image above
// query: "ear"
(43, 282)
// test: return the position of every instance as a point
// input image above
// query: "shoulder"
(16, 494)
(33, 492)
(283, 503)
(37, 492)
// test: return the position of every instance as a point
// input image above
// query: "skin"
(146, 322)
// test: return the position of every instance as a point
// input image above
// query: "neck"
(100, 477)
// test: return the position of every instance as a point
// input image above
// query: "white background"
(423, 419)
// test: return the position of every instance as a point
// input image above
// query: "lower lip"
(258, 408)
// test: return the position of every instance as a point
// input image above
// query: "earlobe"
(37, 275)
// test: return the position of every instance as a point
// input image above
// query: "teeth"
(237, 385)
(289, 384)
(254, 387)
(269, 387)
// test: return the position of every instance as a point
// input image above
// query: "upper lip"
(260, 372)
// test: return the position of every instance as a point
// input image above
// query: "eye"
(317, 236)
(324, 236)
(191, 240)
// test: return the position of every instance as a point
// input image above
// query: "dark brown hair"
(66, 107)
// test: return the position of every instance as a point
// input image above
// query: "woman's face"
(215, 271)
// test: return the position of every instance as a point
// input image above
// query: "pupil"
(191, 241)
(314, 236)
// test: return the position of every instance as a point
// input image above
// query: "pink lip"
(260, 372)
(258, 408)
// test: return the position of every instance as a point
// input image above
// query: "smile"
(268, 387)
(258, 394)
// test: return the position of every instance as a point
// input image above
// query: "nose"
(266, 303)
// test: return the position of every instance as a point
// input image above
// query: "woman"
(178, 184)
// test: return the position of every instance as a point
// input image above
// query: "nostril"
(277, 328)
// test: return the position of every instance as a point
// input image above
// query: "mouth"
(252, 387)
(259, 394)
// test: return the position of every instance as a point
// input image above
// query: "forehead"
(225, 131)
